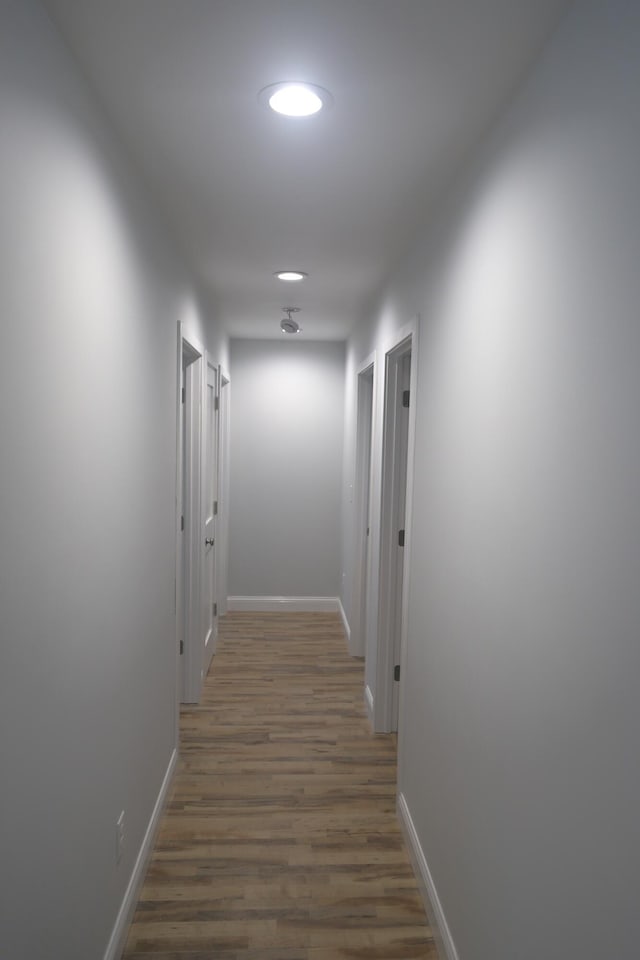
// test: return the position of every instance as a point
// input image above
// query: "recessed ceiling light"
(294, 98)
(290, 276)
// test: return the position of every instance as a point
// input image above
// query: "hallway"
(280, 840)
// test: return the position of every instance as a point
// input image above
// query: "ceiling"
(339, 195)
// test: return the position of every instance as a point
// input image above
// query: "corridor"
(280, 840)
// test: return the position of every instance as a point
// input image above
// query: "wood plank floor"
(280, 840)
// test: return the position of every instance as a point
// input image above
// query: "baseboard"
(118, 937)
(345, 624)
(437, 920)
(368, 699)
(210, 648)
(208, 657)
(288, 604)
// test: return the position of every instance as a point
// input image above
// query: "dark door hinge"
(181, 523)
(401, 538)
(405, 398)
(183, 394)
(181, 647)
(215, 609)
(215, 508)
(216, 403)
(396, 672)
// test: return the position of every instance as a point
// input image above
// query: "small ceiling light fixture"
(290, 276)
(287, 325)
(293, 98)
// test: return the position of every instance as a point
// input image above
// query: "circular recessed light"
(291, 276)
(295, 99)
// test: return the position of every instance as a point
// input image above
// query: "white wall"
(286, 468)
(90, 297)
(520, 712)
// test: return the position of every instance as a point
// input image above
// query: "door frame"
(189, 542)
(404, 341)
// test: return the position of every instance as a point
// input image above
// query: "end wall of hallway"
(286, 468)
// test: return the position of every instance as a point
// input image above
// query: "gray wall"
(286, 467)
(520, 717)
(90, 297)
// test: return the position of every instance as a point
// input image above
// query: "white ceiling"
(339, 195)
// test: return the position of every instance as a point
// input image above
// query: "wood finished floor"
(280, 840)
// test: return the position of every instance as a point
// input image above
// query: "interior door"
(393, 535)
(182, 564)
(222, 516)
(190, 550)
(209, 511)
(363, 497)
(403, 383)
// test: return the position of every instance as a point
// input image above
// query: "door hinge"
(181, 647)
(182, 523)
(216, 403)
(405, 398)
(396, 672)
(183, 394)
(401, 538)
(215, 609)
(215, 508)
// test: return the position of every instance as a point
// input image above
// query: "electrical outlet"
(119, 837)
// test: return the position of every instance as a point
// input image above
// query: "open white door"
(189, 539)
(397, 469)
(362, 552)
(222, 525)
(209, 608)
(402, 386)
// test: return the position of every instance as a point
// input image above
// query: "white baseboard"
(285, 604)
(435, 913)
(368, 699)
(210, 648)
(345, 623)
(118, 936)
